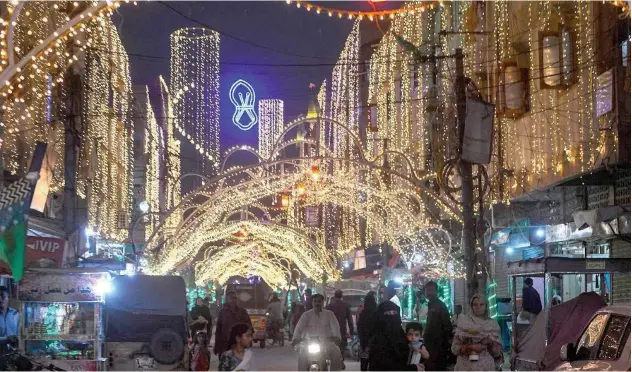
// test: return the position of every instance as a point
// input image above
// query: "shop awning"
(562, 265)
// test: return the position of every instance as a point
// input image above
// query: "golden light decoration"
(270, 124)
(152, 154)
(14, 68)
(392, 212)
(365, 15)
(195, 66)
(172, 156)
(36, 86)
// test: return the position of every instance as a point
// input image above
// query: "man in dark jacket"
(201, 318)
(438, 330)
(343, 315)
(230, 315)
(388, 349)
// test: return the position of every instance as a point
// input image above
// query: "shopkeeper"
(8, 316)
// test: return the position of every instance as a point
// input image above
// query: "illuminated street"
(424, 185)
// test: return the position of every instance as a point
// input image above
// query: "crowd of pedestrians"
(468, 340)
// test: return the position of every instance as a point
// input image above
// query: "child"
(238, 357)
(418, 350)
(200, 356)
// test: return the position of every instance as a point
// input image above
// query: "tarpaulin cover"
(567, 322)
(147, 294)
(123, 326)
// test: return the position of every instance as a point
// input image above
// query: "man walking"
(308, 299)
(201, 318)
(531, 304)
(230, 315)
(438, 330)
(343, 315)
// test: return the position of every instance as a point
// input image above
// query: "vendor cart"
(61, 317)
(547, 268)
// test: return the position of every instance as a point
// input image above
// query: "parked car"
(603, 346)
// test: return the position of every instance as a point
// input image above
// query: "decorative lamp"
(315, 173)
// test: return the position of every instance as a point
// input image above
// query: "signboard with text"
(41, 253)
(44, 287)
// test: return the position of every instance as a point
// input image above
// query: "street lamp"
(143, 206)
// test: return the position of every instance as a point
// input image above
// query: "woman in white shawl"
(477, 342)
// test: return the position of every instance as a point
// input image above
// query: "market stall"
(61, 316)
(549, 268)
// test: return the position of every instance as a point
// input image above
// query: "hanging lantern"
(556, 59)
(284, 200)
(513, 90)
(241, 235)
(300, 189)
(315, 173)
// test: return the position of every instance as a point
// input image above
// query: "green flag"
(13, 247)
(14, 204)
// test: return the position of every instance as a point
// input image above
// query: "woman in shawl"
(477, 343)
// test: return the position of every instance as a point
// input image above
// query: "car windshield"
(604, 338)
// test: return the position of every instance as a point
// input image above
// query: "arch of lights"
(394, 210)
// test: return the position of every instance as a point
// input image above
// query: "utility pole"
(468, 237)
(71, 125)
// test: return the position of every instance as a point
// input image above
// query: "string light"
(360, 15)
(152, 153)
(235, 190)
(270, 124)
(195, 61)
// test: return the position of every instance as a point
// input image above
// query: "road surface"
(275, 358)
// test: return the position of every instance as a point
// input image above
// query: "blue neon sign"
(242, 96)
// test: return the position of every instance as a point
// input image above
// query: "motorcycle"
(318, 358)
(274, 331)
(354, 348)
(15, 361)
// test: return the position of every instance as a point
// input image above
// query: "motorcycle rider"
(274, 314)
(343, 314)
(319, 322)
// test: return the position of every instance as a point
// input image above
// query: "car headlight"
(313, 348)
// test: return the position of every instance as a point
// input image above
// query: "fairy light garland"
(106, 109)
(270, 124)
(152, 153)
(36, 94)
(172, 156)
(389, 210)
(195, 65)
(364, 15)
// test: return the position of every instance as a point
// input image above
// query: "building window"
(359, 261)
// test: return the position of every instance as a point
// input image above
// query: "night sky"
(145, 31)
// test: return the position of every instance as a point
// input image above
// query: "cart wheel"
(262, 343)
